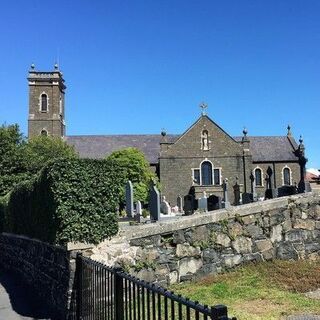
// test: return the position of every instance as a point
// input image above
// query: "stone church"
(200, 159)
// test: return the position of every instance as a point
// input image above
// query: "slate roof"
(97, 147)
(272, 148)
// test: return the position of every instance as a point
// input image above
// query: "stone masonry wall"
(48, 269)
(173, 251)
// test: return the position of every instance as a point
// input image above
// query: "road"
(17, 302)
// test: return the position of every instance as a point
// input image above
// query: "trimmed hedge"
(70, 200)
(3, 210)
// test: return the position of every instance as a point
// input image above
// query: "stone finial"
(163, 132)
(32, 66)
(289, 130)
(301, 140)
(203, 107)
(56, 67)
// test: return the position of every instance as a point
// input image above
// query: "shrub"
(70, 200)
(3, 210)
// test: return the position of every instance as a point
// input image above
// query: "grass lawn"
(268, 290)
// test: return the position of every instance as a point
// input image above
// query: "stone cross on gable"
(203, 107)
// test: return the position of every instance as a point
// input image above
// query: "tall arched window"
(44, 103)
(286, 176)
(258, 176)
(206, 173)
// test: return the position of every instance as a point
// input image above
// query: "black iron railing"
(104, 293)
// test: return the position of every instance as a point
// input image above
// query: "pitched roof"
(262, 148)
(272, 148)
(97, 147)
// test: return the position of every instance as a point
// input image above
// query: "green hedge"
(3, 211)
(70, 200)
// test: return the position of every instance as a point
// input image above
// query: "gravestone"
(203, 202)
(226, 203)
(189, 204)
(154, 204)
(287, 191)
(214, 203)
(138, 208)
(180, 203)
(236, 191)
(129, 199)
(247, 197)
(270, 193)
(253, 186)
(165, 206)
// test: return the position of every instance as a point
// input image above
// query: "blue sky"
(140, 66)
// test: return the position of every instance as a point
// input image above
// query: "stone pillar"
(226, 203)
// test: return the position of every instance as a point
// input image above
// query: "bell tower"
(46, 103)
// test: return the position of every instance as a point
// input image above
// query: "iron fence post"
(219, 312)
(78, 279)
(118, 295)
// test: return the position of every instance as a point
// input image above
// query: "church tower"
(46, 103)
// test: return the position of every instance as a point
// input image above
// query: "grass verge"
(260, 291)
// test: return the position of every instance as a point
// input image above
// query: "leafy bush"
(20, 160)
(3, 210)
(137, 170)
(70, 200)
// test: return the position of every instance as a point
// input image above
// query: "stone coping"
(198, 219)
(183, 222)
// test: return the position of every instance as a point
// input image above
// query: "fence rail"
(104, 293)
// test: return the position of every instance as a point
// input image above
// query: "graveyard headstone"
(165, 206)
(154, 204)
(138, 207)
(203, 202)
(236, 191)
(180, 203)
(214, 203)
(129, 199)
(247, 198)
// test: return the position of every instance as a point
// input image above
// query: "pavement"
(17, 302)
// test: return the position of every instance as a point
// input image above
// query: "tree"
(12, 169)
(41, 149)
(21, 159)
(137, 170)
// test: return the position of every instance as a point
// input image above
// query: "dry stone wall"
(48, 269)
(173, 251)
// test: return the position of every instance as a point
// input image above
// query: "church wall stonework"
(177, 161)
(295, 174)
(51, 84)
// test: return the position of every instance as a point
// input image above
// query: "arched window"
(44, 132)
(286, 176)
(44, 103)
(206, 173)
(258, 176)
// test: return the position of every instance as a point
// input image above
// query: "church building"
(201, 159)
